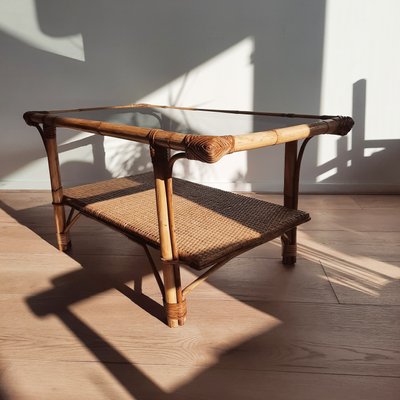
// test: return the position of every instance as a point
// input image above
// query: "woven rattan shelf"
(238, 222)
(190, 224)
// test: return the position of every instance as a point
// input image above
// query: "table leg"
(290, 190)
(175, 304)
(50, 143)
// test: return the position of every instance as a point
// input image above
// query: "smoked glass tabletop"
(196, 122)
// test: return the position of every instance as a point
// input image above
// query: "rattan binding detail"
(344, 125)
(176, 310)
(63, 239)
(208, 149)
(289, 250)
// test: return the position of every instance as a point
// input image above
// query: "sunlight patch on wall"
(77, 154)
(356, 48)
(327, 174)
(19, 20)
(225, 81)
(73, 138)
(369, 152)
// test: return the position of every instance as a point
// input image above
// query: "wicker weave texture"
(210, 223)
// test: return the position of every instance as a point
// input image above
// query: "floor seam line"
(330, 283)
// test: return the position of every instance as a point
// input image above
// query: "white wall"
(361, 78)
(273, 55)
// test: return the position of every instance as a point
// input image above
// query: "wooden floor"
(89, 325)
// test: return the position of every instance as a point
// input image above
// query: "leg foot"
(288, 260)
(289, 250)
(176, 313)
(174, 304)
(64, 242)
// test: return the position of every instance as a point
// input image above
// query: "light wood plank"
(268, 280)
(362, 272)
(380, 220)
(377, 201)
(313, 202)
(18, 239)
(15, 238)
(63, 380)
(366, 282)
(23, 199)
(72, 325)
(241, 278)
(291, 337)
(107, 242)
(380, 246)
(65, 277)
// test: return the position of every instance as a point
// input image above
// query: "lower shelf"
(210, 223)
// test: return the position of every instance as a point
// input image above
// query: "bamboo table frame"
(208, 149)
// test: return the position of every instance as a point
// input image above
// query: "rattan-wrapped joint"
(289, 250)
(176, 310)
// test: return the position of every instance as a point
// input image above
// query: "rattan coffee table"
(190, 224)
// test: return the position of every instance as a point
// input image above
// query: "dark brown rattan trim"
(208, 149)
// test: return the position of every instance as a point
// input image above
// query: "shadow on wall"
(361, 160)
(123, 61)
(84, 171)
(130, 159)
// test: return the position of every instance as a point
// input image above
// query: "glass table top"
(194, 122)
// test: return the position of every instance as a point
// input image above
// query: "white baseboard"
(350, 188)
(24, 185)
(317, 188)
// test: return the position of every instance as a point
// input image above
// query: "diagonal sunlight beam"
(224, 81)
(359, 273)
(19, 20)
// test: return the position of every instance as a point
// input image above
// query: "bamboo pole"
(50, 143)
(206, 274)
(174, 302)
(139, 134)
(71, 222)
(290, 190)
(174, 247)
(179, 141)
